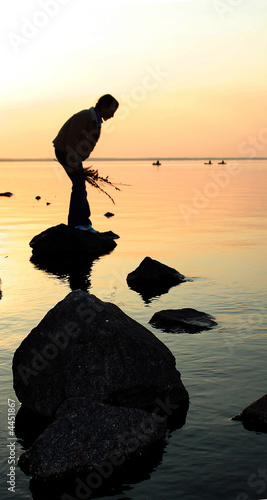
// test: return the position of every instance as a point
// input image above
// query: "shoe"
(87, 228)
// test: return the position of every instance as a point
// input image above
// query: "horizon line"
(178, 158)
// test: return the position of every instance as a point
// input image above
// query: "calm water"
(208, 222)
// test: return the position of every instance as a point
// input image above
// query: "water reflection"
(77, 274)
(148, 293)
(70, 254)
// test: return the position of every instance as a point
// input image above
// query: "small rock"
(182, 320)
(254, 416)
(108, 214)
(153, 278)
(37, 197)
(48, 203)
(7, 194)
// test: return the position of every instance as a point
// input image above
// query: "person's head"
(106, 106)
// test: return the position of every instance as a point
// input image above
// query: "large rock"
(84, 347)
(61, 243)
(254, 416)
(98, 436)
(153, 278)
(103, 385)
(182, 320)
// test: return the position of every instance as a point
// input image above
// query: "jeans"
(79, 210)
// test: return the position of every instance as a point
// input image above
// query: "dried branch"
(92, 177)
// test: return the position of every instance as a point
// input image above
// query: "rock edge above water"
(62, 242)
(88, 360)
(153, 278)
(254, 416)
(178, 320)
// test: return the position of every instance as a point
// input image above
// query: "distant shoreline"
(139, 159)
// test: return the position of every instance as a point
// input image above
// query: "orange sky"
(190, 76)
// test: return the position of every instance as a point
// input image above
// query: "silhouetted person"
(73, 144)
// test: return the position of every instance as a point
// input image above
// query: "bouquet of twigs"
(92, 177)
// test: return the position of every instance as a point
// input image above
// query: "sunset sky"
(190, 76)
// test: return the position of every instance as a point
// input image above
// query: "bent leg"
(79, 209)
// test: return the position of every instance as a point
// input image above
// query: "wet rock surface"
(254, 416)
(182, 320)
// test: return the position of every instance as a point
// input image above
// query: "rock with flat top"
(182, 320)
(64, 243)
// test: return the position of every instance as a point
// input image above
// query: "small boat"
(208, 163)
(222, 162)
(157, 163)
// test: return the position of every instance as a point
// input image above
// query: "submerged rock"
(254, 416)
(97, 435)
(59, 243)
(101, 378)
(153, 278)
(182, 320)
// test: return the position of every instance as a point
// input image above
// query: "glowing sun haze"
(190, 76)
